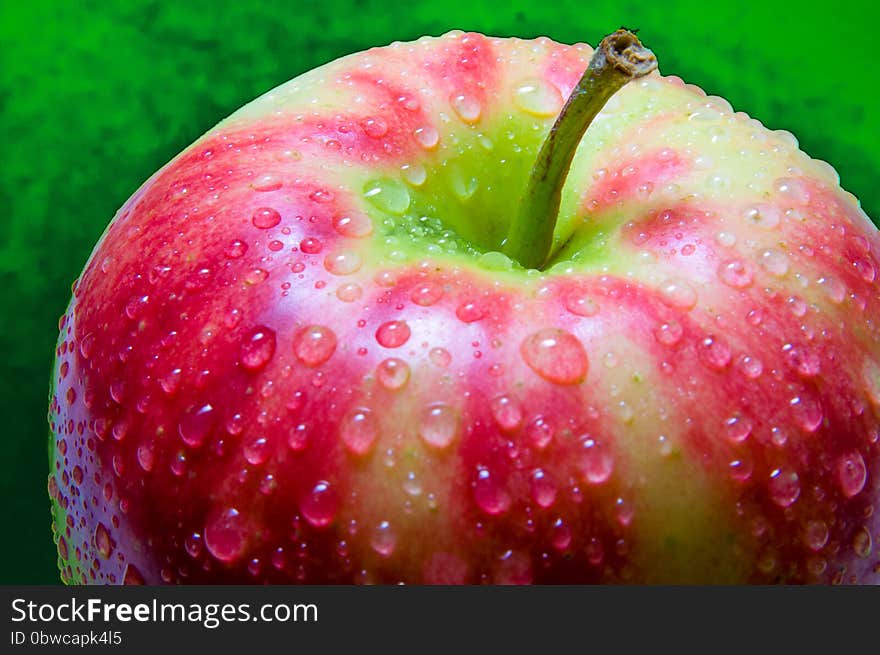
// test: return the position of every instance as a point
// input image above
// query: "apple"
(415, 317)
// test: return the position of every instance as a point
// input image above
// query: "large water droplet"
(862, 543)
(349, 292)
(392, 373)
(556, 355)
(388, 195)
(581, 303)
(595, 461)
(507, 412)
(354, 225)
(256, 450)
(807, 412)
(539, 432)
(196, 424)
(715, 353)
(852, 473)
(669, 333)
(735, 273)
(393, 334)
(343, 262)
(375, 128)
(438, 425)
(225, 534)
(428, 137)
(762, 215)
(265, 217)
(738, 428)
(538, 98)
(103, 542)
(489, 494)
(467, 107)
(678, 293)
(542, 489)
(816, 535)
(384, 539)
(359, 431)
(319, 505)
(258, 348)
(314, 345)
(784, 486)
(426, 294)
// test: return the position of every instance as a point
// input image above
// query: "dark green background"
(94, 97)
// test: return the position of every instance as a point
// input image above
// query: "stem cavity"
(619, 58)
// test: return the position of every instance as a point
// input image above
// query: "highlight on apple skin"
(299, 354)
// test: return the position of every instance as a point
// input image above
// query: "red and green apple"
(449, 311)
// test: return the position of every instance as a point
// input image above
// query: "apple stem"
(620, 57)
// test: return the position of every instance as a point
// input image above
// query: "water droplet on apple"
(265, 217)
(678, 293)
(495, 261)
(354, 225)
(538, 97)
(775, 262)
(440, 357)
(669, 333)
(542, 489)
(384, 539)
(595, 462)
(393, 334)
(507, 412)
(852, 473)
(556, 355)
(349, 292)
(715, 353)
(539, 432)
(784, 486)
(298, 438)
(762, 215)
(388, 195)
(103, 542)
(314, 345)
(343, 262)
(225, 534)
(438, 425)
(581, 303)
(266, 182)
(414, 174)
(375, 128)
(491, 497)
(359, 431)
(735, 273)
(392, 373)
(310, 246)
(258, 348)
(807, 412)
(741, 469)
(816, 535)
(319, 505)
(427, 137)
(195, 425)
(471, 311)
(146, 457)
(467, 107)
(426, 294)
(862, 543)
(738, 428)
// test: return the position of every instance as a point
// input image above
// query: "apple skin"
(288, 361)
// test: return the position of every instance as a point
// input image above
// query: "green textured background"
(95, 96)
